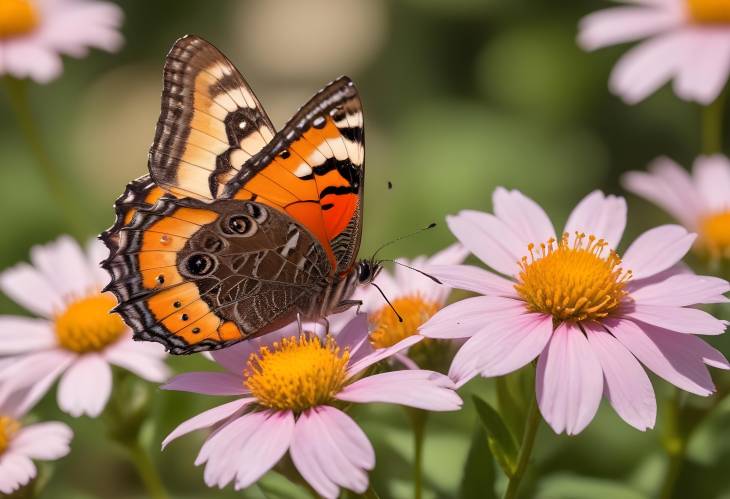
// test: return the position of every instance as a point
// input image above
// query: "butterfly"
(238, 229)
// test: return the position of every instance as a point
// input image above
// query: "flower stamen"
(387, 330)
(8, 429)
(17, 17)
(709, 11)
(87, 325)
(715, 234)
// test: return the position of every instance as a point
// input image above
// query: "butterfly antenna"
(400, 319)
(414, 268)
(430, 226)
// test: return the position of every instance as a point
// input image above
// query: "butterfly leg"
(347, 304)
(299, 323)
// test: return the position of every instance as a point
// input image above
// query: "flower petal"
(681, 290)
(44, 441)
(599, 215)
(382, 353)
(65, 266)
(678, 319)
(657, 249)
(207, 383)
(627, 386)
(27, 287)
(466, 317)
(97, 252)
(474, 279)
(524, 216)
(16, 470)
(86, 386)
(23, 334)
(425, 390)
(38, 370)
(569, 381)
(712, 176)
(268, 444)
(207, 419)
(702, 76)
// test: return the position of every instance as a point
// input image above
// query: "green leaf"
(501, 442)
(479, 476)
(569, 486)
(515, 392)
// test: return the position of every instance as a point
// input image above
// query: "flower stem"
(18, 94)
(523, 456)
(712, 117)
(675, 444)
(418, 419)
(147, 471)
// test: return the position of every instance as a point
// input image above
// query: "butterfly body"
(238, 230)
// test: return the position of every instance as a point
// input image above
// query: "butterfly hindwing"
(313, 170)
(210, 122)
(201, 276)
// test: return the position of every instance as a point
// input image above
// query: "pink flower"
(19, 444)
(687, 41)
(34, 33)
(589, 315)
(76, 337)
(290, 387)
(700, 202)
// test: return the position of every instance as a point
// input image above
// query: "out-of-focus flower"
(76, 337)
(289, 387)
(19, 444)
(34, 34)
(700, 202)
(586, 312)
(688, 41)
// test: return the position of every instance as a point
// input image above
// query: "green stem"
(147, 471)
(675, 444)
(370, 493)
(418, 419)
(18, 93)
(712, 117)
(523, 456)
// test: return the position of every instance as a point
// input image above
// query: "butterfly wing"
(210, 122)
(313, 170)
(201, 276)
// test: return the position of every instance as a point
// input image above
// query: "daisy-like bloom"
(292, 388)
(20, 445)
(75, 338)
(590, 314)
(34, 34)
(700, 202)
(687, 41)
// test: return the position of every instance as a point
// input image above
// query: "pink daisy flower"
(687, 41)
(291, 387)
(700, 202)
(20, 445)
(75, 338)
(34, 34)
(590, 315)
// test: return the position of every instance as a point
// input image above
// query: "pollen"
(297, 373)
(709, 11)
(8, 428)
(387, 330)
(87, 324)
(17, 17)
(576, 281)
(715, 234)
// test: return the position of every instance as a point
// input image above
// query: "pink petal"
(627, 386)
(473, 279)
(381, 353)
(501, 347)
(23, 334)
(79, 25)
(489, 239)
(569, 381)
(672, 356)
(524, 216)
(704, 74)
(678, 319)
(65, 266)
(599, 215)
(712, 176)
(681, 290)
(466, 317)
(34, 370)
(426, 390)
(235, 358)
(86, 386)
(16, 470)
(264, 448)
(134, 358)
(331, 451)
(354, 336)
(28, 288)
(23, 58)
(207, 419)
(44, 441)
(625, 24)
(656, 250)
(207, 383)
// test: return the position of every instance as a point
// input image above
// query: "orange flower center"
(715, 234)
(17, 17)
(387, 330)
(87, 324)
(709, 11)
(297, 373)
(8, 428)
(575, 281)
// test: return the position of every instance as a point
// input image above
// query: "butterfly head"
(368, 270)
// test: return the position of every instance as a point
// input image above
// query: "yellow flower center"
(8, 428)
(387, 330)
(87, 325)
(715, 234)
(572, 282)
(17, 17)
(709, 11)
(297, 373)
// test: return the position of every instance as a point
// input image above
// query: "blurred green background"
(460, 96)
